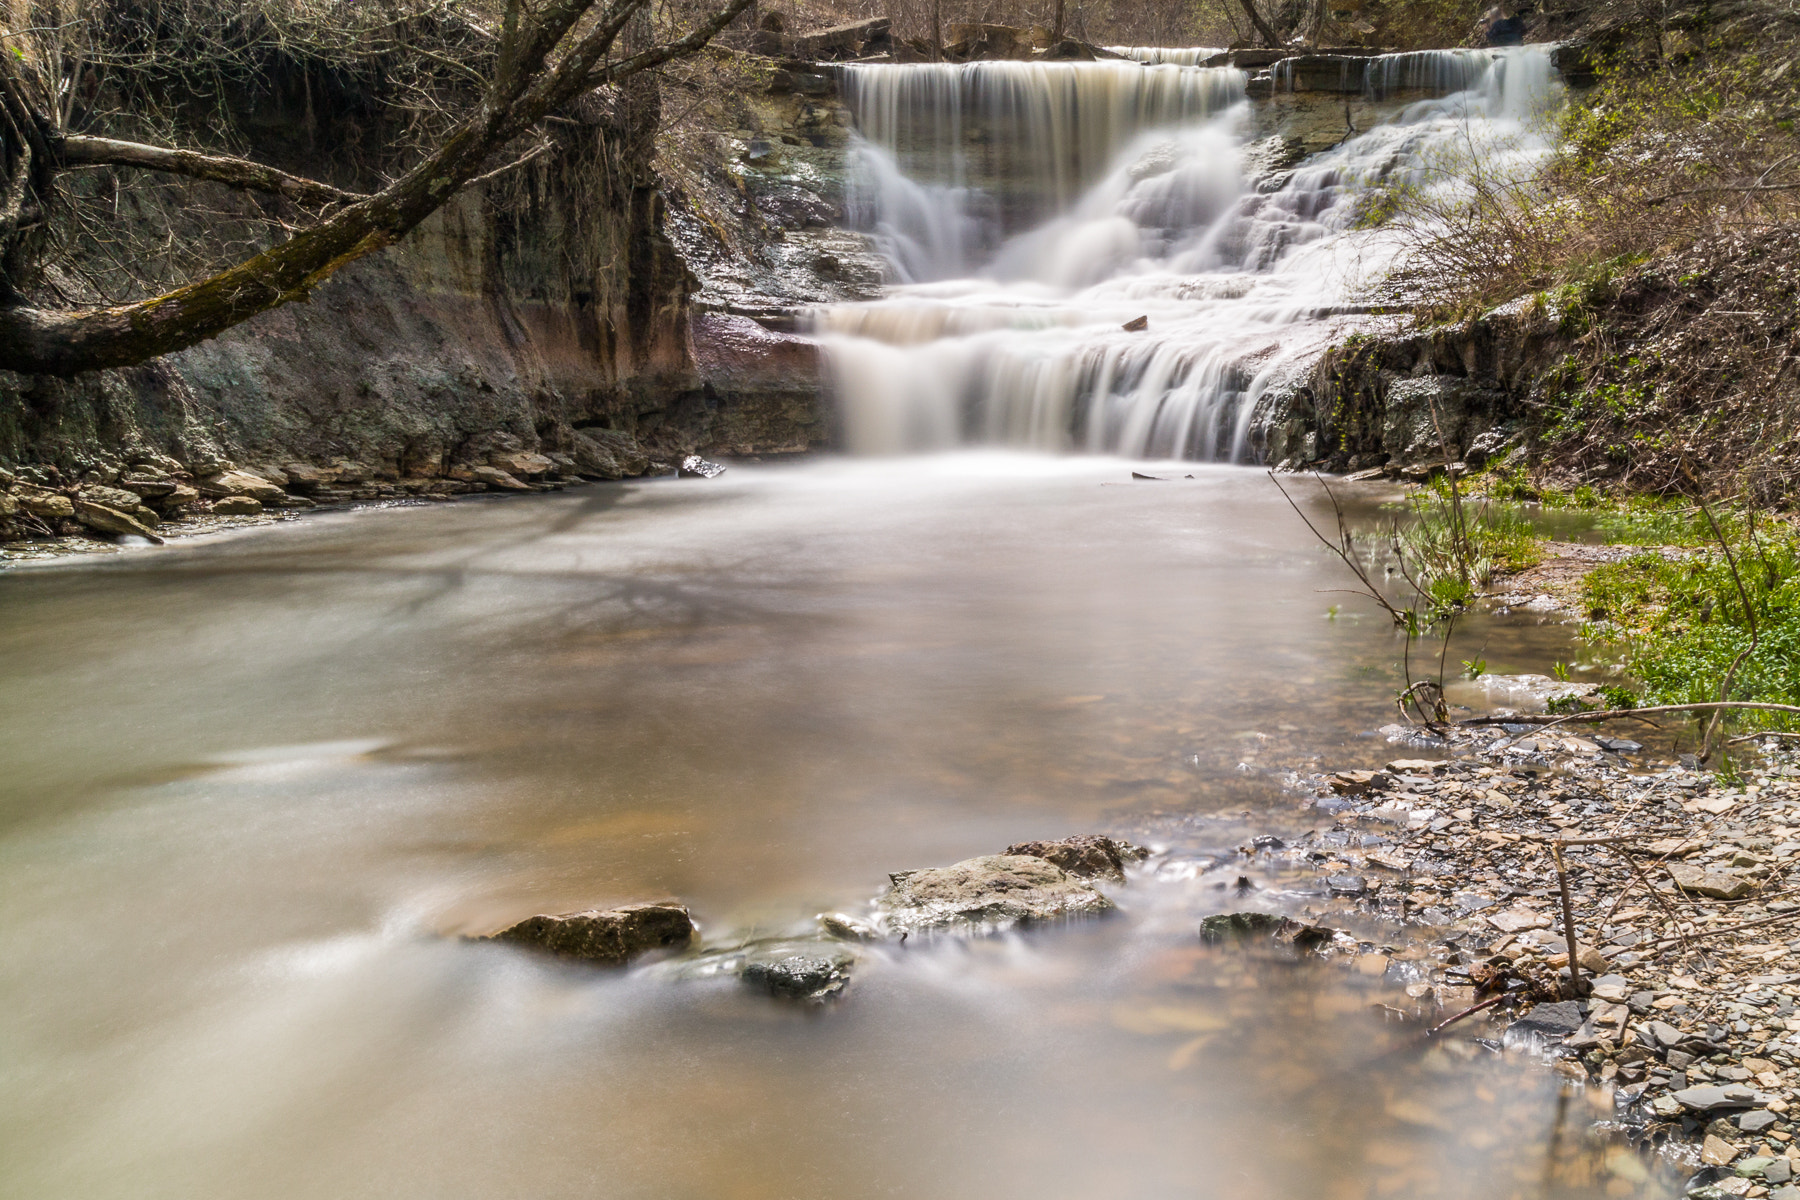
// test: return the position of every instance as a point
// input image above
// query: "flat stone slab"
(994, 891)
(612, 936)
(1710, 1098)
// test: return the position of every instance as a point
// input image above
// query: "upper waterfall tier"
(1016, 143)
(1142, 204)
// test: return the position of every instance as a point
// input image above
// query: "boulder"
(111, 497)
(498, 480)
(607, 454)
(102, 519)
(239, 483)
(147, 487)
(306, 479)
(1086, 855)
(237, 506)
(42, 502)
(522, 464)
(994, 891)
(612, 936)
(178, 499)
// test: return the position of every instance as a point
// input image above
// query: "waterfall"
(1033, 212)
(1179, 56)
(951, 159)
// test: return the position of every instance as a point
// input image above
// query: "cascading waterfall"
(951, 159)
(1139, 206)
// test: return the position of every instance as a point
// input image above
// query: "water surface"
(252, 782)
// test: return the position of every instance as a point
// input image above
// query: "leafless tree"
(532, 60)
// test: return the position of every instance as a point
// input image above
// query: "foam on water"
(1015, 336)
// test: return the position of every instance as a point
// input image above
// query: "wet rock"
(102, 519)
(849, 928)
(236, 506)
(1228, 927)
(612, 936)
(812, 976)
(1550, 1021)
(695, 467)
(1136, 324)
(1087, 855)
(1251, 926)
(996, 890)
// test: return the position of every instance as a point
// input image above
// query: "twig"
(1712, 726)
(1568, 911)
(1467, 1012)
(1706, 933)
(1615, 713)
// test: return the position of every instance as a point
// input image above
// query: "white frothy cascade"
(1006, 325)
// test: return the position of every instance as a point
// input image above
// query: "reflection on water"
(251, 783)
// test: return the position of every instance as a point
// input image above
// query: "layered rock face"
(540, 306)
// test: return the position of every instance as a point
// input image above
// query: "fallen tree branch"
(83, 150)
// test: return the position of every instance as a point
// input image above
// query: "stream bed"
(257, 784)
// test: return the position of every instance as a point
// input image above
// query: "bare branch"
(81, 150)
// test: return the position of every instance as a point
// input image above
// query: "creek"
(257, 785)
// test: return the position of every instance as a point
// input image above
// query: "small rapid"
(1031, 214)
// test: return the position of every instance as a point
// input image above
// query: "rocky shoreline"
(148, 498)
(1682, 887)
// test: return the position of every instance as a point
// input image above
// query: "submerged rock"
(815, 975)
(994, 891)
(1087, 855)
(1250, 926)
(612, 936)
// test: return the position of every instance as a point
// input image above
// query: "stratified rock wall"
(543, 302)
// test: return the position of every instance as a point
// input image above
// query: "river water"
(255, 785)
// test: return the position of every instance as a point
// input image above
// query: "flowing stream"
(1033, 213)
(257, 786)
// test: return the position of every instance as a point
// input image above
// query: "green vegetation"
(1455, 545)
(1681, 619)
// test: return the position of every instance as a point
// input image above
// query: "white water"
(1180, 56)
(1140, 205)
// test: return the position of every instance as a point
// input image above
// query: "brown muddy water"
(251, 783)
